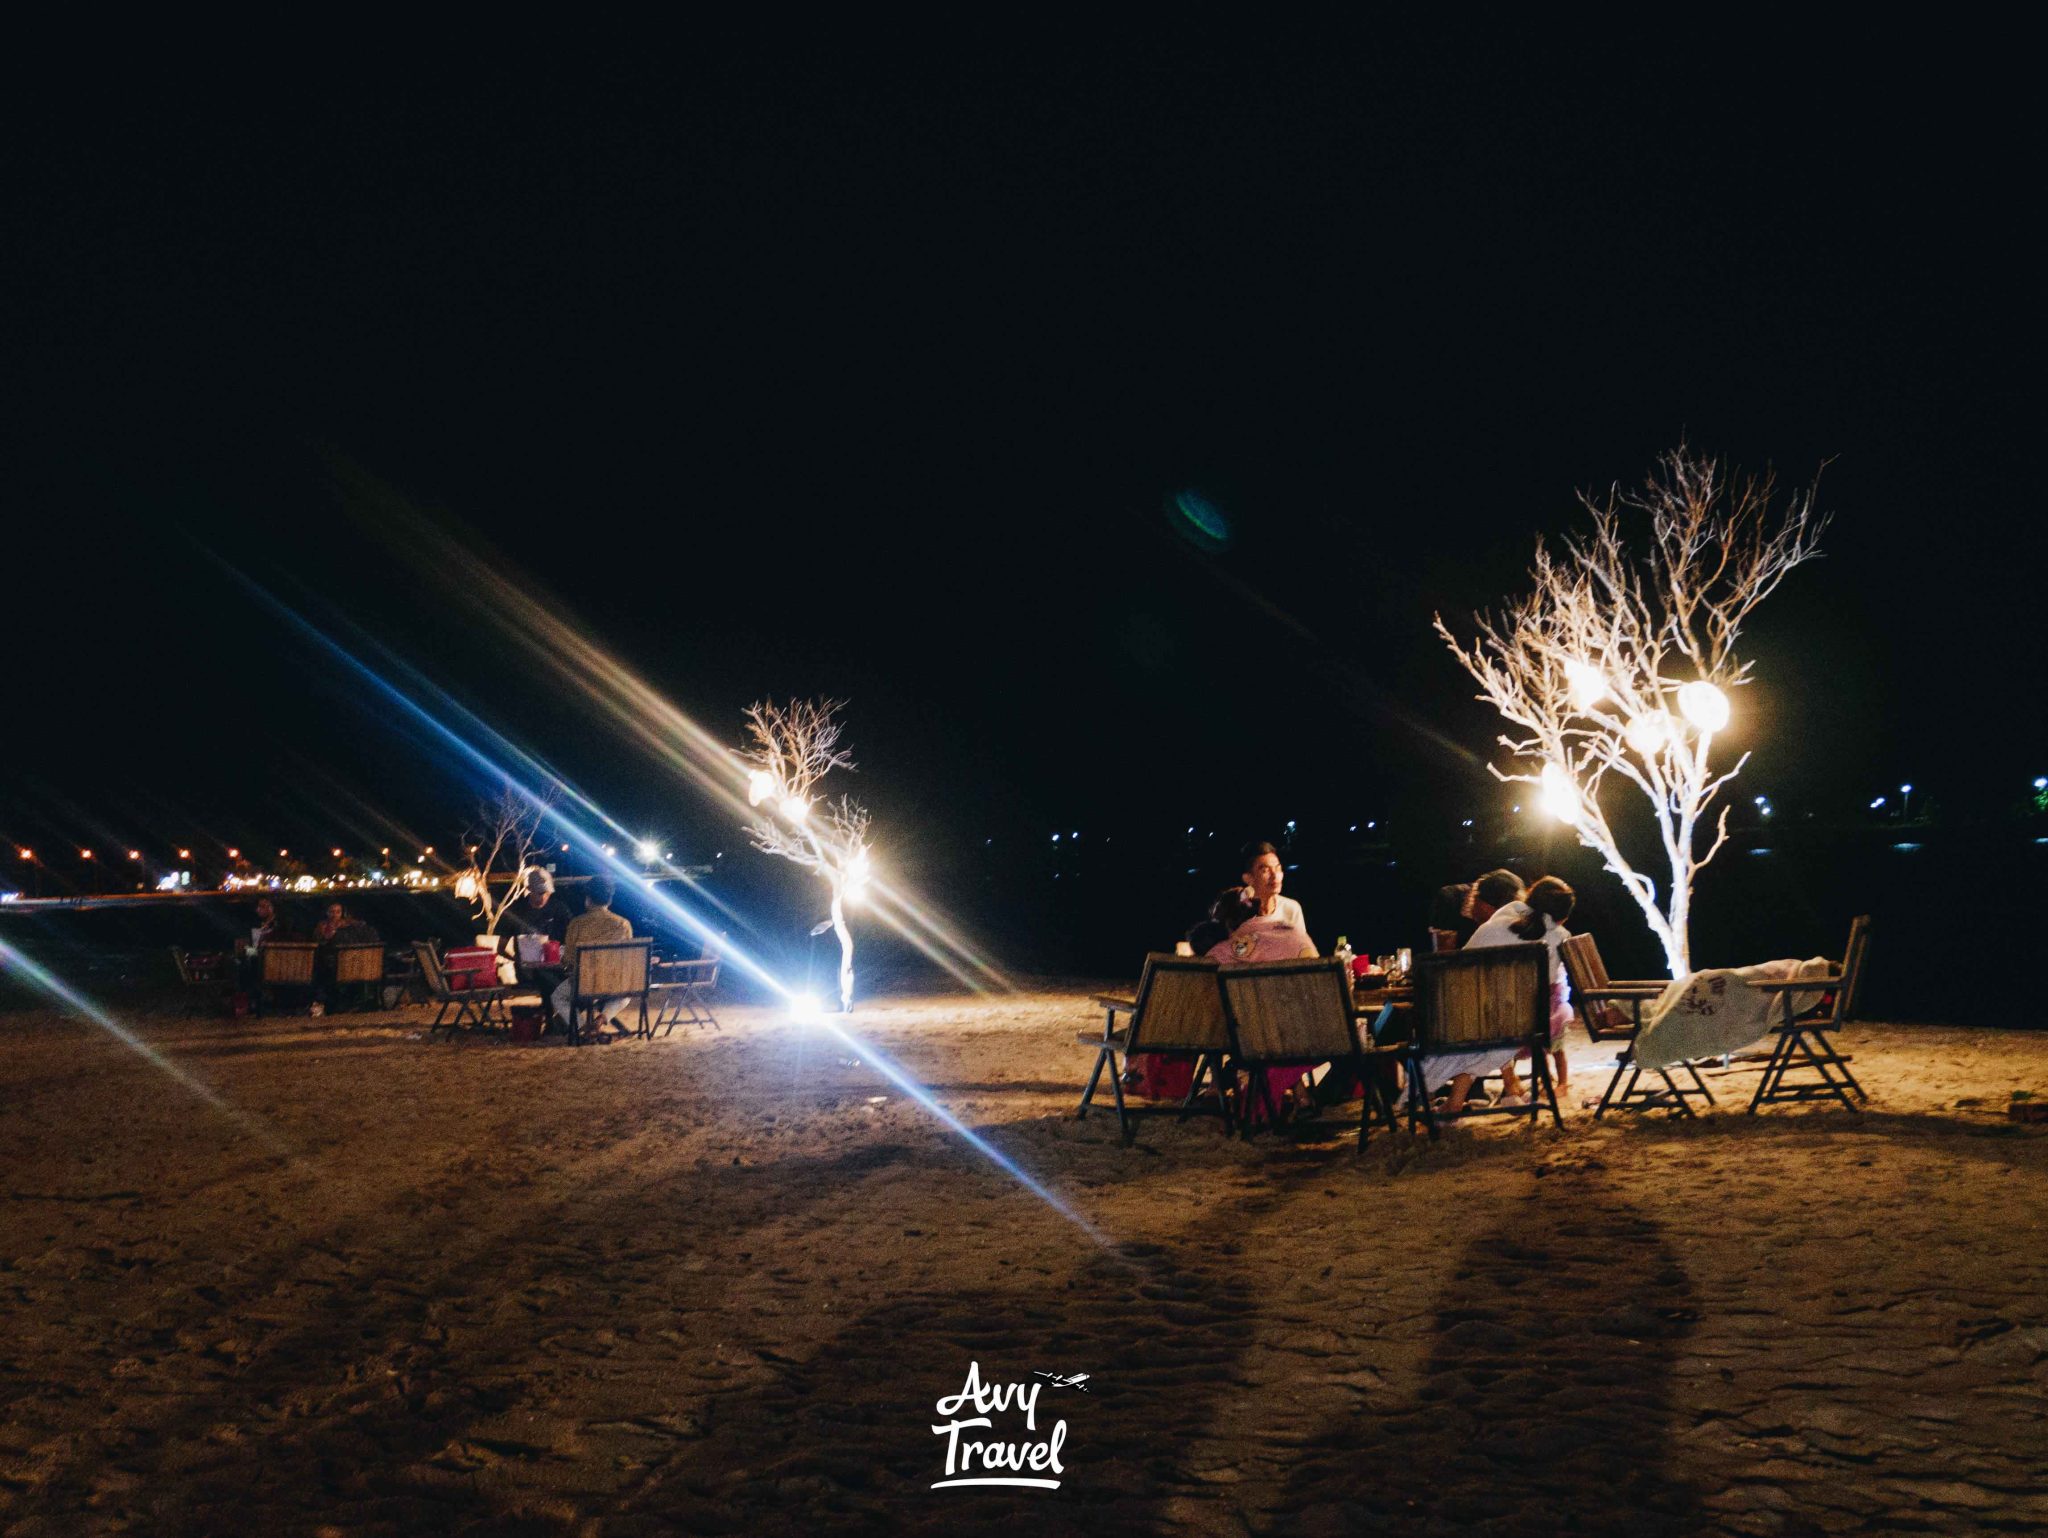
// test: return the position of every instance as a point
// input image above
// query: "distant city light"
(85, 854)
(184, 854)
(1055, 838)
(2041, 782)
(335, 852)
(1877, 803)
(234, 854)
(1905, 790)
(135, 854)
(28, 854)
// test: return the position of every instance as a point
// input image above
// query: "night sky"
(870, 372)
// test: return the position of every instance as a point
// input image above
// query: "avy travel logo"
(981, 1422)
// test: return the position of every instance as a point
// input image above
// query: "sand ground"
(719, 1282)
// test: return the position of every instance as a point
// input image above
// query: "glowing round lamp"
(760, 786)
(1560, 795)
(1587, 687)
(1704, 705)
(1648, 732)
(648, 851)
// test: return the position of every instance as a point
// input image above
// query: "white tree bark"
(1646, 621)
(794, 746)
(500, 843)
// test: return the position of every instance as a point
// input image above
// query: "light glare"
(1704, 705)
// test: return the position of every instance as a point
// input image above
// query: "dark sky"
(867, 370)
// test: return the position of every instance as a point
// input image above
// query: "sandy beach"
(329, 1276)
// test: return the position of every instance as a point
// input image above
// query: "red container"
(471, 968)
(527, 1020)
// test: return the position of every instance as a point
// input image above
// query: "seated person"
(337, 927)
(1273, 928)
(1540, 915)
(1463, 906)
(538, 911)
(595, 925)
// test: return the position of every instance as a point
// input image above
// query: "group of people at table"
(1256, 921)
(539, 915)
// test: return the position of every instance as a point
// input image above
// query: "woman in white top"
(1538, 915)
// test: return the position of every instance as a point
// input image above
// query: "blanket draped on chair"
(1705, 1014)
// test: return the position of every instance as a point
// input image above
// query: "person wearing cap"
(538, 911)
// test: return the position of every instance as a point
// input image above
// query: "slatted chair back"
(359, 963)
(1442, 940)
(606, 971)
(1582, 964)
(1498, 995)
(1179, 1007)
(288, 963)
(430, 969)
(1289, 1011)
(1848, 994)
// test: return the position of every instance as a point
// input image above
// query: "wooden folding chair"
(1802, 1039)
(284, 964)
(1613, 1011)
(1494, 998)
(361, 967)
(1177, 1014)
(204, 977)
(472, 1006)
(618, 969)
(1286, 1014)
(680, 993)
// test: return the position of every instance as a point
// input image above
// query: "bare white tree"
(1622, 659)
(499, 847)
(791, 749)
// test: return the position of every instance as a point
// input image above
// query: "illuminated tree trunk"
(845, 950)
(1621, 661)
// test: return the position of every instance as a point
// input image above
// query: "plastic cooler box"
(472, 967)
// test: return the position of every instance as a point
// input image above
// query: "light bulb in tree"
(760, 786)
(466, 886)
(1560, 795)
(1704, 705)
(857, 872)
(1588, 688)
(796, 809)
(1648, 733)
